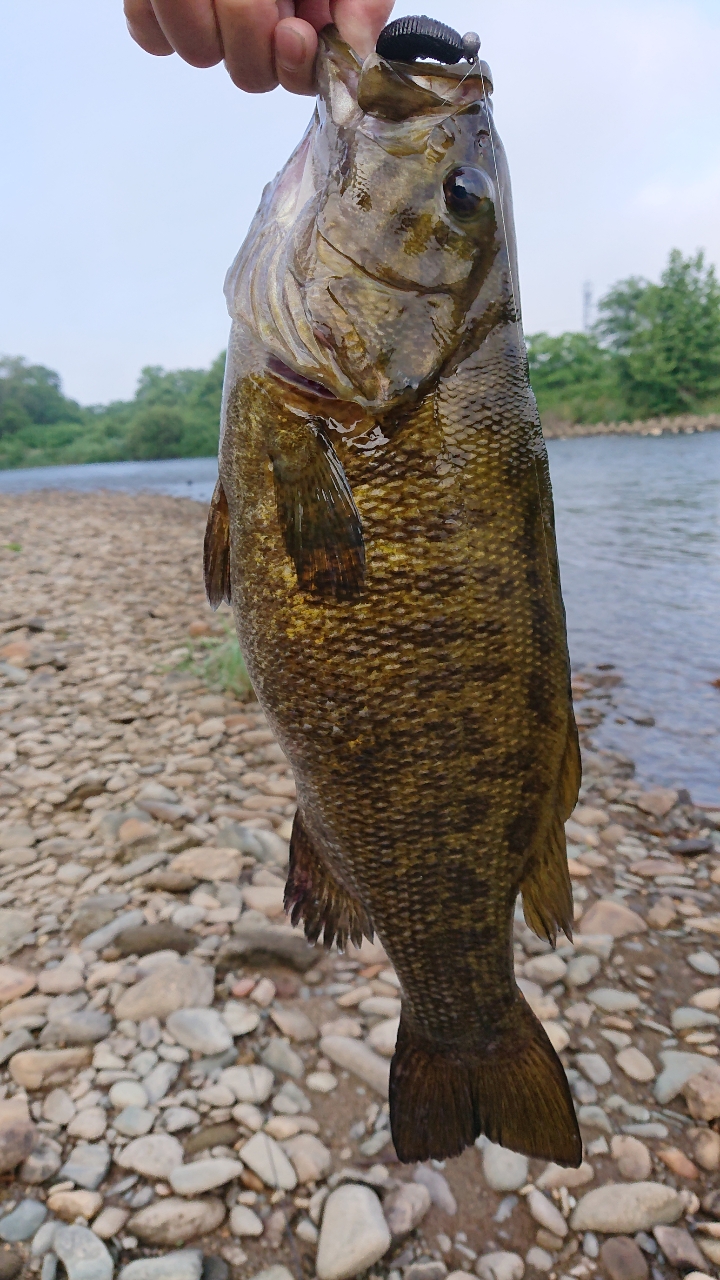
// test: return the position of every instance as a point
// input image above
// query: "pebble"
(22, 1222)
(636, 1065)
(181, 1264)
(266, 1158)
(546, 1214)
(309, 1156)
(249, 1084)
(133, 1122)
(239, 1018)
(15, 983)
(35, 1067)
(439, 1188)
(90, 1123)
(357, 1057)
(678, 1068)
(500, 1266)
(555, 1175)
(180, 984)
(83, 1254)
(172, 1221)
(537, 1258)
(87, 1164)
(704, 962)
(545, 969)
(127, 1093)
(293, 1023)
(353, 1235)
(679, 1248)
(581, 970)
(110, 1222)
(678, 1162)
(622, 1259)
(58, 1107)
(279, 1056)
(611, 917)
(503, 1170)
(44, 1160)
(624, 1208)
(243, 1222)
(383, 1037)
(17, 1133)
(70, 1205)
(155, 1156)
(594, 1067)
(611, 1000)
(405, 1208)
(633, 1158)
(200, 1030)
(203, 1175)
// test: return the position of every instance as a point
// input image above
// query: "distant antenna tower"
(587, 306)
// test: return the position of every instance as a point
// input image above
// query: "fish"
(383, 528)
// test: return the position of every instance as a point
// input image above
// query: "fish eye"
(466, 190)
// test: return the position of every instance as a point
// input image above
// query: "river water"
(639, 535)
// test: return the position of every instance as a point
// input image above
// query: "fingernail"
(293, 52)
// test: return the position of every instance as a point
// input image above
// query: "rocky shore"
(686, 425)
(188, 1091)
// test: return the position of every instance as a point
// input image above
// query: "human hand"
(263, 42)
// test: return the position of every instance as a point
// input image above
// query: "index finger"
(360, 22)
(191, 28)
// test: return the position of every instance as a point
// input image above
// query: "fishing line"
(516, 308)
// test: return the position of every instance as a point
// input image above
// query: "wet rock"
(172, 1221)
(357, 1057)
(622, 1259)
(406, 1208)
(22, 1222)
(181, 1264)
(200, 1030)
(87, 1164)
(266, 1158)
(148, 938)
(180, 984)
(83, 1254)
(35, 1067)
(155, 1156)
(500, 1266)
(17, 1133)
(204, 1175)
(633, 1159)
(609, 916)
(353, 1235)
(503, 1170)
(624, 1208)
(679, 1248)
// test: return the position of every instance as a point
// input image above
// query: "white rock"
(171, 1221)
(90, 1124)
(127, 1093)
(266, 1158)
(610, 1000)
(581, 970)
(133, 1122)
(500, 1266)
(703, 962)
(240, 1019)
(406, 1208)
(383, 1037)
(252, 1117)
(554, 1175)
(539, 1259)
(58, 1107)
(624, 1208)
(636, 1065)
(181, 1264)
(504, 1170)
(178, 984)
(155, 1156)
(243, 1222)
(321, 1081)
(546, 970)
(110, 1222)
(200, 1030)
(557, 1035)
(310, 1157)
(177, 1118)
(83, 1254)
(545, 1213)
(203, 1175)
(354, 1233)
(678, 1068)
(594, 1068)
(357, 1057)
(249, 1084)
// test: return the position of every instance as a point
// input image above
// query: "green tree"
(666, 337)
(573, 377)
(156, 432)
(31, 394)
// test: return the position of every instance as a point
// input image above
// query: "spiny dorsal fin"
(216, 549)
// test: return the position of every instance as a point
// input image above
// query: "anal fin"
(546, 889)
(216, 549)
(313, 896)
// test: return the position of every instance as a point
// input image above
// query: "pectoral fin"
(216, 550)
(319, 522)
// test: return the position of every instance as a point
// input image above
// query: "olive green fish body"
(393, 571)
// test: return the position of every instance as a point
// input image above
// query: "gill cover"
(359, 272)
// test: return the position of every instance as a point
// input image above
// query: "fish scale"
(399, 610)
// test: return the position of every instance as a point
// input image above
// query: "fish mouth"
(279, 369)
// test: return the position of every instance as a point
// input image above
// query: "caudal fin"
(513, 1090)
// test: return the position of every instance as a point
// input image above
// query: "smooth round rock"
(134, 1122)
(503, 1170)
(23, 1222)
(500, 1266)
(624, 1208)
(171, 1221)
(200, 1030)
(83, 1254)
(622, 1259)
(155, 1156)
(243, 1222)
(127, 1093)
(354, 1233)
(266, 1158)
(704, 962)
(181, 1264)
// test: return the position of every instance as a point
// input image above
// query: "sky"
(128, 182)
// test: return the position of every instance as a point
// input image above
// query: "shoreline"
(163, 1028)
(687, 425)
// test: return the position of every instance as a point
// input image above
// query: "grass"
(218, 661)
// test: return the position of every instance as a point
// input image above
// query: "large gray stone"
(204, 1175)
(156, 1156)
(172, 1221)
(200, 1030)
(83, 1254)
(87, 1164)
(81, 1026)
(678, 1068)
(181, 1264)
(179, 984)
(266, 1158)
(354, 1233)
(624, 1208)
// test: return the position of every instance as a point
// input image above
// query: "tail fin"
(514, 1090)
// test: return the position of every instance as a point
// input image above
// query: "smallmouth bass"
(383, 526)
